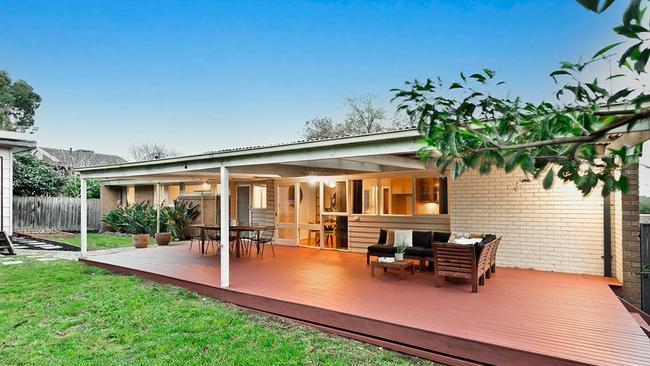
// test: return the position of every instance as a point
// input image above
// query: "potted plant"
(175, 218)
(399, 252)
(138, 219)
(163, 238)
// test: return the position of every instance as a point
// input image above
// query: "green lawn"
(99, 241)
(67, 313)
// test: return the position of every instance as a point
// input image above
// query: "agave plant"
(175, 218)
(138, 218)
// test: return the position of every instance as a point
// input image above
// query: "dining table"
(237, 229)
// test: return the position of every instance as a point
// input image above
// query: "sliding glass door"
(313, 214)
(286, 211)
(309, 228)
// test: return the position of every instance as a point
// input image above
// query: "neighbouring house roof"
(17, 140)
(74, 159)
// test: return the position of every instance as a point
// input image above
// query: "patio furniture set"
(242, 238)
(450, 255)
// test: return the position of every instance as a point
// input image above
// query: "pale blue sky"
(202, 75)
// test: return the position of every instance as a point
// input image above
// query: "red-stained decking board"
(519, 317)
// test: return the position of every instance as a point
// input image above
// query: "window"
(130, 195)
(335, 196)
(170, 194)
(369, 196)
(397, 196)
(430, 196)
(196, 189)
(259, 196)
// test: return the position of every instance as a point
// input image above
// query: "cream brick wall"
(617, 236)
(553, 230)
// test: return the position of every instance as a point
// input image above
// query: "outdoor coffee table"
(402, 266)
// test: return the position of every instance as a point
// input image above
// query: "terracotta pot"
(163, 238)
(140, 240)
(399, 256)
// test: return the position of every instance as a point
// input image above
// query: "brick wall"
(631, 246)
(109, 200)
(617, 236)
(552, 230)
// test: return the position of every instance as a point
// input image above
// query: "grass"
(67, 313)
(98, 241)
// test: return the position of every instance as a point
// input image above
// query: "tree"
(18, 104)
(319, 128)
(34, 177)
(466, 125)
(72, 187)
(363, 117)
(151, 152)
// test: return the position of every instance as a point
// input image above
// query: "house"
(10, 143)
(67, 159)
(336, 194)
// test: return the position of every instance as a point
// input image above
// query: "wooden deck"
(520, 316)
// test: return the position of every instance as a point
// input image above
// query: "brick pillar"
(630, 238)
(109, 200)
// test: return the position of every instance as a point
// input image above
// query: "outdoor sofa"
(422, 249)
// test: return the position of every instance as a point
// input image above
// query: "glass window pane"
(397, 196)
(259, 196)
(335, 232)
(309, 203)
(429, 198)
(286, 204)
(287, 233)
(335, 196)
(369, 196)
(130, 195)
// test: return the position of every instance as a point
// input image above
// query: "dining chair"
(266, 237)
(195, 234)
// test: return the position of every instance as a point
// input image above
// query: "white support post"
(84, 219)
(158, 204)
(225, 229)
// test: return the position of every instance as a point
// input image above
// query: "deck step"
(642, 323)
(5, 244)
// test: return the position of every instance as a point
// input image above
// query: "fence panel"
(53, 213)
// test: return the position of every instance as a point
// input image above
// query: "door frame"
(295, 181)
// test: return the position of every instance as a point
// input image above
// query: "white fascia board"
(404, 142)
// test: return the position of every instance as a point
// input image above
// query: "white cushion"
(404, 237)
(465, 241)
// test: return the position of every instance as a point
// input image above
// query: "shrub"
(33, 177)
(140, 218)
(175, 218)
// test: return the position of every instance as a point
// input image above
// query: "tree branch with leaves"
(466, 124)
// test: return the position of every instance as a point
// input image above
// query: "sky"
(204, 75)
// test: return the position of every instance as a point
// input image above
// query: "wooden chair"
(493, 257)
(456, 261)
(459, 261)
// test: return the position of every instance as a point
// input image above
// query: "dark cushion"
(419, 252)
(441, 237)
(422, 239)
(383, 235)
(478, 247)
(381, 249)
